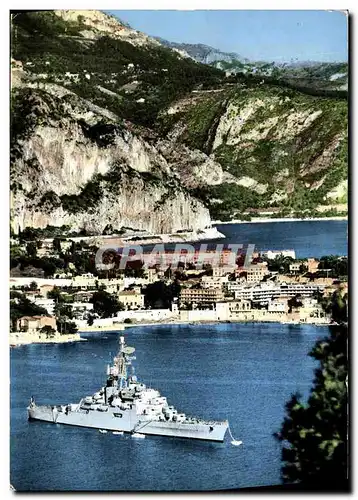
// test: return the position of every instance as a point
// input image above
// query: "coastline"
(282, 219)
(211, 321)
(16, 340)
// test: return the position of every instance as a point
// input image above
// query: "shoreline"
(210, 321)
(16, 342)
(257, 220)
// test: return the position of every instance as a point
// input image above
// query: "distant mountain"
(202, 53)
(317, 74)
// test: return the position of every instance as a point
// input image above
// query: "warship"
(126, 405)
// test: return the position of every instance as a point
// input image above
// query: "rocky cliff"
(110, 127)
(71, 168)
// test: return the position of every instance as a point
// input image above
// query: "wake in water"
(234, 441)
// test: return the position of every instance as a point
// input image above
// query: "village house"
(295, 267)
(312, 265)
(32, 324)
(131, 299)
(278, 305)
(255, 272)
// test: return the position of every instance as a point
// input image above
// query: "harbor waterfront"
(241, 372)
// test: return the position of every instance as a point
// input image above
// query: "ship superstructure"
(125, 404)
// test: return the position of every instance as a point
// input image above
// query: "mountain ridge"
(109, 127)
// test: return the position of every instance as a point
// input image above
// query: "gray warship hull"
(124, 404)
(129, 422)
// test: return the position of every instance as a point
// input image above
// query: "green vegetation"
(106, 305)
(20, 306)
(143, 81)
(314, 434)
(66, 327)
(64, 52)
(336, 266)
(200, 120)
(228, 201)
(158, 295)
(49, 331)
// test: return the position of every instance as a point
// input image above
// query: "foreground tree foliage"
(315, 434)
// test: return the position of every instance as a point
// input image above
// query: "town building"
(151, 275)
(200, 295)
(214, 281)
(312, 265)
(131, 299)
(35, 323)
(265, 292)
(272, 254)
(48, 304)
(295, 267)
(277, 306)
(236, 306)
(256, 272)
(223, 270)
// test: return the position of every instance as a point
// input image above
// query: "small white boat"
(137, 435)
(118, 433)
(103, 431)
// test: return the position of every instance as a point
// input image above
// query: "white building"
(295, 267)
(272, 254)
(223, 270)
(48, 304)
(277, 305)
(81, 309)
(265, 292)
(214, 281)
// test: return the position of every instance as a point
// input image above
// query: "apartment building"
(223, 270)
(278, 306)
(201, 295)
(265, 292)
(256, 272)
(214, 282)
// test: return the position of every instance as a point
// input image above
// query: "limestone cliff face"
(137, 206)
(62, 156)
(270, 141)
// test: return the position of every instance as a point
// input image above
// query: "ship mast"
(122, 366)
(121, 361)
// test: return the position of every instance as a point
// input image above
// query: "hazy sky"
(259, 35)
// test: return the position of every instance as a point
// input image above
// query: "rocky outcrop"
(62, 156)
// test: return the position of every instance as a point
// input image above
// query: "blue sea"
(309, 238)
(243, 372)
